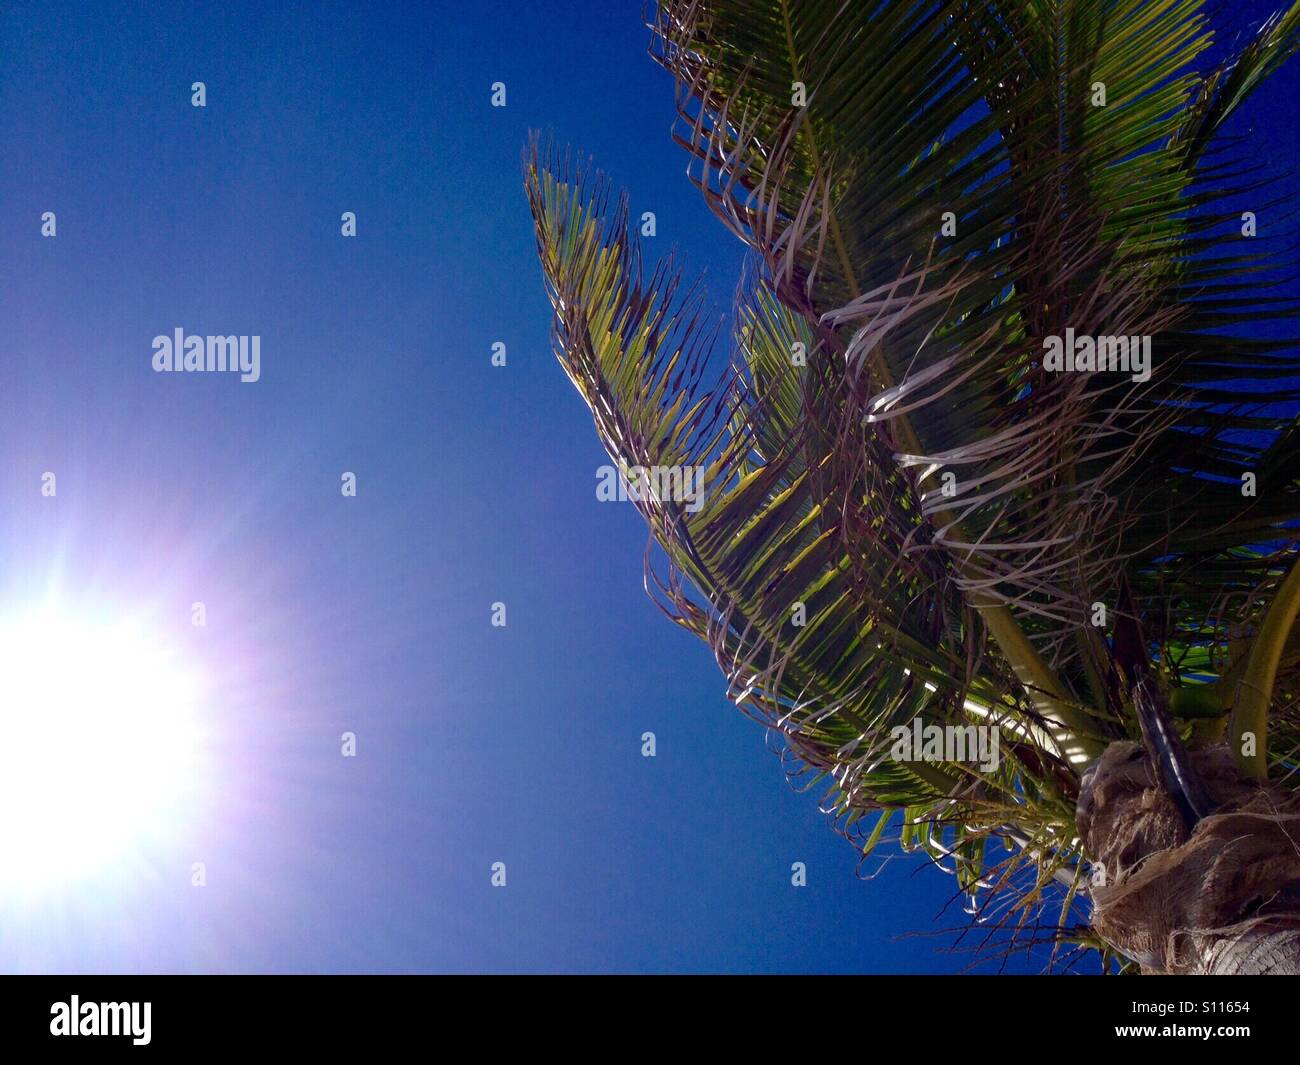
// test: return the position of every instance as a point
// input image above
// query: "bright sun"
(99, 742)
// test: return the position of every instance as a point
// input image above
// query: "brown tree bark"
(1219, 896)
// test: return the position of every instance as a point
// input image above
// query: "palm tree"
(913, 518)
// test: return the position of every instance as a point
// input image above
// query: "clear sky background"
(475, 484)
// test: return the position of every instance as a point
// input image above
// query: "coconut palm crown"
(925, 509)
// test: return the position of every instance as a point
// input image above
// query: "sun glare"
(99, 744)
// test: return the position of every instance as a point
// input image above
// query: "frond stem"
(1254, 691)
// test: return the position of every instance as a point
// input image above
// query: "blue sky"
(475, 484)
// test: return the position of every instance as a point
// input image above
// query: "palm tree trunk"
(1218, 896)
(1256, 954)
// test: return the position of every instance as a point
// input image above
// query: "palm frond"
(934, 192)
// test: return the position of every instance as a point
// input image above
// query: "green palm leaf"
(933, 192)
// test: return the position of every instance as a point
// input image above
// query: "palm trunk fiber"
(1219, 897)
